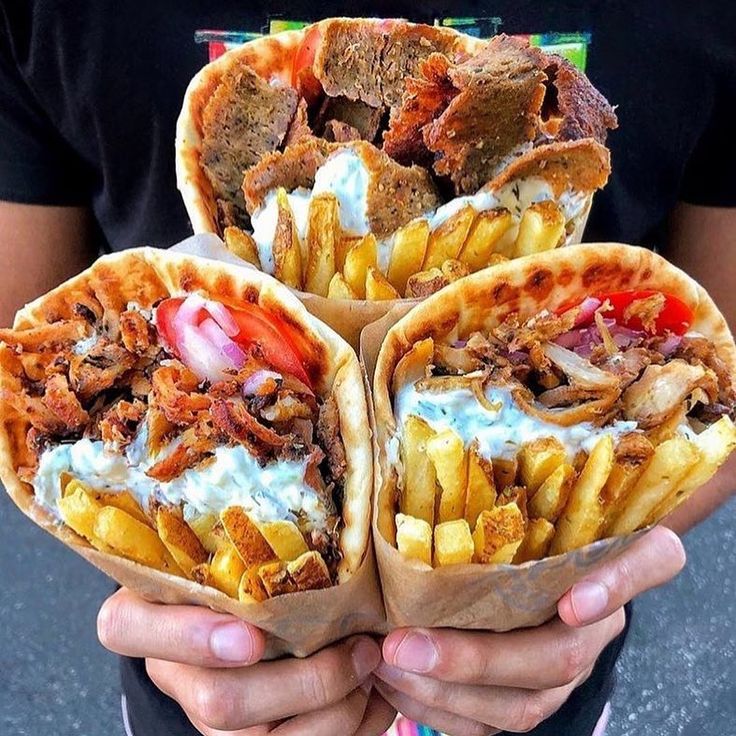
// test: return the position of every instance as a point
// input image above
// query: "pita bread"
(146, 275)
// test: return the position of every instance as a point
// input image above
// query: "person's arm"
(702, 242)
(40, 247)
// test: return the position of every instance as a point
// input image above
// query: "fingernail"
(366, 656)
(232, 642)
(589, 600)
(367, 685)
(416, 653)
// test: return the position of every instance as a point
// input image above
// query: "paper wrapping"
(296, 624)
(490, 597)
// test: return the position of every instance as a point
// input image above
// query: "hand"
(209, 663)
(476, 683)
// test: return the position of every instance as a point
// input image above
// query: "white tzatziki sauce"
(276, 491)
(500, 433)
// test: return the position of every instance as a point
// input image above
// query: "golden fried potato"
(284, 538)
(130, 538)
(407, 253)
(180, 540)
(542, 227)
(446, 240)
(418, 493)
(504, 472)
(446, 450)
(226, 570)
(485, 234)
(536, 541)
(413, 365)
(358, 260)
(453, 543)
(537, 461)
(414, 538)
(551, 497)
(209, 531)
(425, 283)
(309, 571)
(251, 586)
(671, 462)
(276, 580)
(242, 245)
(454, 270)
(498, 534)
(323, 233)
(245, 536)
(79, 511)
(287, 249)
(125, 501)
(340, 289)
(582, 518)
(481, 490)
(377, 287)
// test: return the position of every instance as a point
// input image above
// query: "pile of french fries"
(457, 507)
(244, 559)
(333, 264)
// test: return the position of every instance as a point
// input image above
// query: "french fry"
(309, 571)
(287, 250)
(446, 240)
(582, 518)
(284, 538)
(453, 543)
(209, 531)
(536, 541)
(447, 453)
(504, 472)
(358, 260)
(124, 501)
(414, 538)
(245, 536)
(481, 490)
(377, 287)
(517, 495)
(542, 227)
(672, 460)
(343, 244)
(226, 570)
(485, 233)
(79, 511)
(418, 494)
(131, 538)
(498, 534)
(407, 253)
(550, 499)
(538, 459)
(454, 269)
(340, 289)
(242, 245)
(276, 580)
(251, 586)
(180, 540)
(425, 283)
(715, 444)
(323, 232)
(201, 574)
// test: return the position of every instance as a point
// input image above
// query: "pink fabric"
(600, 729)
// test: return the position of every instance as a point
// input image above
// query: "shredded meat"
(662, 388)
(120, 422)
(54, 336)
(100, 369)
(328, 433)
(627, 364)
(646, 309)
(175, 392)
(701, 350)
(234, 419)
(338, 132)
(136, 332)
(191, 450)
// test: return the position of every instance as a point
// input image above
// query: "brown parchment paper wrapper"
(297, 624)
(505, 597)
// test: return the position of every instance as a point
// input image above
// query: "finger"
(510, 709)
(231, 699)
(129, 625)
(547, 656)
(440, 720)
(378, 717)
(340, 719)
(255, 731)
(651, 561)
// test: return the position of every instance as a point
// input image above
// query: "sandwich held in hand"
(380, 159)
(192, 418)
(549, 403)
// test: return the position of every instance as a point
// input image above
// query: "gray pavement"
(677, 676)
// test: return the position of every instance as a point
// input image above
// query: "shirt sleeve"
(710, 174)
(36, 165)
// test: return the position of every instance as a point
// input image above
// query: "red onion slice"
(256, 380)
(225, 346)
(188, 312)
(221, 315)
(201, 356)
(586, 310)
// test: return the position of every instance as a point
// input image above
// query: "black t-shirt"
(90, 91)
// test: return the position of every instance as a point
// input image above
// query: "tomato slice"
(305, 54)
(257, 327)
(675, 317)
